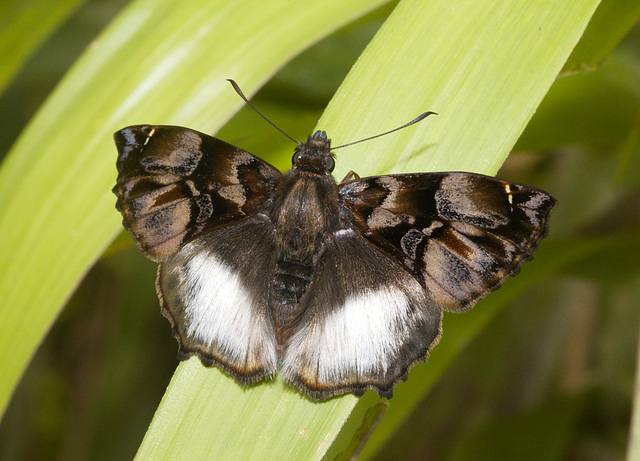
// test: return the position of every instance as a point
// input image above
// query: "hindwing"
(214, 293)
(367, 320)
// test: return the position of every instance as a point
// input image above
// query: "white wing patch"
(359, 337)
(221, 311)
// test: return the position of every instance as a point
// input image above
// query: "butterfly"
(340, 287)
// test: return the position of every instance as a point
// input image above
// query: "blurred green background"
(551, 376)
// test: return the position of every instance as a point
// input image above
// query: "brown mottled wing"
(175, 184)
(366, 322)
(461, 234)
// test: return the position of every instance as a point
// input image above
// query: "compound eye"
(330, 164)
(297, 157)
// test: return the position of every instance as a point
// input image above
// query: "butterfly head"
(314, 156)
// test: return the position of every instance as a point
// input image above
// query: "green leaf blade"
(391, 79)
(283, 420)
(482, 67)
(24, 25)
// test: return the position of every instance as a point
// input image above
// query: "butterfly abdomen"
(289, 283)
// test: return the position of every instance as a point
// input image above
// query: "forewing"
(214, 291)
(462, 234)
(175, 184)
(367, 321)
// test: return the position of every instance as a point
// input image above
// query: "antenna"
(244, 98)
(415, 120)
